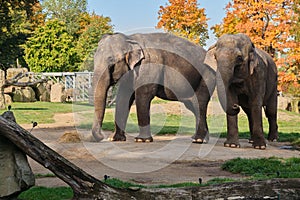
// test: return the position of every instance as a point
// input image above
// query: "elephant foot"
(272, 139)
(117, 137)
(200, 139)
(259, 145)
(250, 141)
(98, 136)
(232, 145)
(139, 139)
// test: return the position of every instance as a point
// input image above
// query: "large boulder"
(8, 99)
(12, 72)
(57, 93)
(15, 173)
(25, 94)
(42, 92)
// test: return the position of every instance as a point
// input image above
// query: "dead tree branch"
(82, 184)
(14, 81)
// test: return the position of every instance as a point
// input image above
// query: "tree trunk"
(82, 184)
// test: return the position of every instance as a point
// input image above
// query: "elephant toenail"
(199, 141)
(226, 145)
(260, 147)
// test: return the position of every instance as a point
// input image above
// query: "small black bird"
(9, 107)
(106, 177)
(278, 173)
(34, 124)
(200, 181)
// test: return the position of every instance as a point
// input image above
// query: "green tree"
(184, 18)
(51, 49)
(93, 28)
(17, 21)
(68, 11)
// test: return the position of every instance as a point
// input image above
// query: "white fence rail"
(81, 82)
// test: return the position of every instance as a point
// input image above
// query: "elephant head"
(236, 59)
(116, 55)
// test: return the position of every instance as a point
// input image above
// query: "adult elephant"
(247, 77)
(149, 65)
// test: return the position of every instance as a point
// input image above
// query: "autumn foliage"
(184, 18)
(273, 25)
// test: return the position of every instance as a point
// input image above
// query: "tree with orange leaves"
(271, 26)
(184, 18)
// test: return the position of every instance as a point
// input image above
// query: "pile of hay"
(70, 137)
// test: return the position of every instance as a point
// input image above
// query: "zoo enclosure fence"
(80, 82)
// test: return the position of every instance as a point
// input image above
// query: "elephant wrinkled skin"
(246, 77)
(149, 65)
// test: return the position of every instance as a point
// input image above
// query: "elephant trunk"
(101, 86)
(228, 99)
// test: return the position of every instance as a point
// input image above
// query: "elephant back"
(193, 53)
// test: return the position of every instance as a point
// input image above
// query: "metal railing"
(80, 82)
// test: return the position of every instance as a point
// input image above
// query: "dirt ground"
(168, 160)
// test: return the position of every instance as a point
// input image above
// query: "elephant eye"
(239, 59)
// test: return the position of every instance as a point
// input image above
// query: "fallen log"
(83, 185)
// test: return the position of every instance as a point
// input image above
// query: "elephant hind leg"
(124, 101)
(271, 114)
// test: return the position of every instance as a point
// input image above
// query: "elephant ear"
(135, 55)
(254, 61)
(210, 59)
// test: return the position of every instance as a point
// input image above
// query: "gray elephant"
(149, 65)
(246, 76)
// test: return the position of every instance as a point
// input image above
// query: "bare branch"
(14, 81)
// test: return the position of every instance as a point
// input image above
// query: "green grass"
(161, 124)
(44, 175)
(171, 124)
(264, 168)
(43, 112)
(117, 183)
(43, 193)
(219, 180)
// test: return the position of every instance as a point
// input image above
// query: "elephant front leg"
(100, 95)
(232, 132)
(143, 101)
(258, 134)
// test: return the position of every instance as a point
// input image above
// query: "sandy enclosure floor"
(168, 160)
